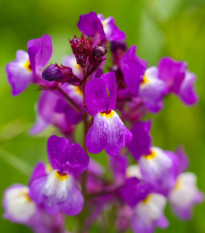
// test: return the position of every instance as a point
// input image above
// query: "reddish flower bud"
(60, 74)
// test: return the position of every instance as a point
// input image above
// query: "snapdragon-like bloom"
(26, 69)
(102, 29)
(158, 168)
(148, 206)
(152, 90)
(53, 109)
(149, 214)
(108, 131)
(18, 205)
(57, 191)
(141, 81)
(20, 208)
(185, 195)
(178, 79)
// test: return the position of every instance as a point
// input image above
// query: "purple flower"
(178, 79)
(111, 31)
(185, 195)
(108, 131)
(26, 69)
(133, 191)
(141, 139)
(53, 109)
(158, 170)
(102, 29)
(186, 91)
(20, 208)
(133, 69)
(46, 115)
(149, 214)
(58, 190)
(17, 204)
(152, 90)
(148, 206)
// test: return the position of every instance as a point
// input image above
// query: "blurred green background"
(159, 27)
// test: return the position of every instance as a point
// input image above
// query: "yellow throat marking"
(27, 65)
(78, 90)
(145, 79)
(147, 199)
(152, 155)
(107, 115)
(60, 176)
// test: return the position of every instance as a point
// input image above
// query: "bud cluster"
(86, 52)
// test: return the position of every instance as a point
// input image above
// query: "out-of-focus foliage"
(158, 27)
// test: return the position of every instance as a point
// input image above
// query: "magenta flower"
(148, 206)
(102, 29)
(178, 79)
(57, 191)
(185, 195)
(133, 69)
(27, 67)
(108, 131)
(20, 208)
(53, 109)
(141, 81)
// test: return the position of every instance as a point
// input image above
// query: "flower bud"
(99, 52)
(118, 49)
(58, 73)
(118, 45)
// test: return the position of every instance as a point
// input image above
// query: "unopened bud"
(57, 73)
(99, 52)
(118, 45)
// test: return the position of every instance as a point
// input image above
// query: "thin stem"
(84, 175)
(72, 102)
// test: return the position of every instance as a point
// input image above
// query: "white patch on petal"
(105, 24)
(133, 171)
(184, 191)
(57, 186)
(113, 125)
(71, 62)
(21, 62)
(155, 163)
(74, 93)
(151, 208)
(150, 78)
(19, 206)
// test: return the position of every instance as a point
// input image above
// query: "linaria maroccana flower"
(141, 81)
(102, 29)
(58, 191)
(159, 168)
(148, 206)
(185, 195)
(26, 69)
(52, 109)
(108, 131)
(20, 208)
(178, 79)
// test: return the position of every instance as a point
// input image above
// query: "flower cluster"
(111, 106)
